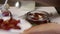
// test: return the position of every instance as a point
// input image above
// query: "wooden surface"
(55, 3)
(42, 2)
(50, 28)
(39, 2)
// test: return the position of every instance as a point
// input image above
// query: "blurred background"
(55, 3)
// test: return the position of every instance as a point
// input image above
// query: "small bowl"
(37, 17)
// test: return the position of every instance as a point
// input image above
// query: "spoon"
(4, 5)
(18, 4)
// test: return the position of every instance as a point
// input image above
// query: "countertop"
(48, 9)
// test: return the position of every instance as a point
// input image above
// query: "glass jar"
(6, 14)
(37, 17)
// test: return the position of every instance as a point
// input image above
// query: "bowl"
(37, 17)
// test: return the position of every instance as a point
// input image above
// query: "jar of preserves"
(37, 17)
